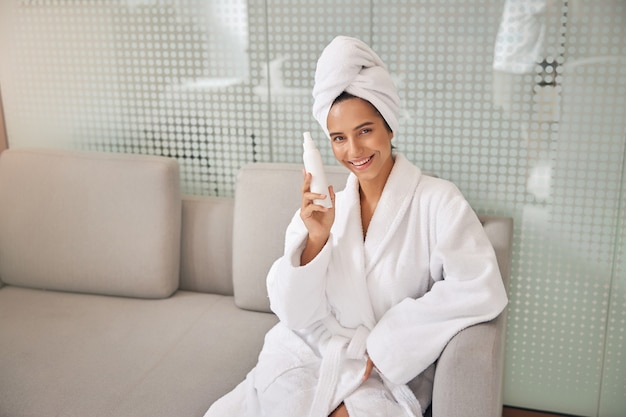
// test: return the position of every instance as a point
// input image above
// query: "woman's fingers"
(308, 198)
(317, 219)
(369, 367)
(306, 181)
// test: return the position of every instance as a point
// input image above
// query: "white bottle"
(313, 164)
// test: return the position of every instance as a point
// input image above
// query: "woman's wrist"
(312, 248)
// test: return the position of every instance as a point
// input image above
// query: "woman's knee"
(340, 411)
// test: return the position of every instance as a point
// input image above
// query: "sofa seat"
(93, 355)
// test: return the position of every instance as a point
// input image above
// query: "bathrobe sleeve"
(298, 293)
(468, 289)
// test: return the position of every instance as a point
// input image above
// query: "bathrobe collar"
(392, 207)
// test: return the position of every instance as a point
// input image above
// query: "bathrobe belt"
(356, 341)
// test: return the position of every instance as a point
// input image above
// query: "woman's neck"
(369, 195)
(369, 201)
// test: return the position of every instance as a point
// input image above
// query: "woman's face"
(360, 140)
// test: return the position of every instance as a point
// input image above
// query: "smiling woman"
(369, 291)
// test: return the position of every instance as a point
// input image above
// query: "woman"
(368, 292)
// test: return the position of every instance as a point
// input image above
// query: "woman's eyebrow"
(362, 125)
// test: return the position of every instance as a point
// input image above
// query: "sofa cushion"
(66, 354)
(90, 222)
(258, 232)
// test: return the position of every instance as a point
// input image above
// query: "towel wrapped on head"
(350, 65)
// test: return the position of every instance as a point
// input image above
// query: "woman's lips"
(362, 163)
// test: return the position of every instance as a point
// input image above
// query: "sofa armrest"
(468, 379)
(470, 371)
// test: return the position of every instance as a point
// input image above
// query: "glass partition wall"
(521, 103)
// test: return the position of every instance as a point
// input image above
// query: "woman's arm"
(298, 293)
(296, 282)
(468, 290)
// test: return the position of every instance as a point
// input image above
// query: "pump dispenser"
(313, 164)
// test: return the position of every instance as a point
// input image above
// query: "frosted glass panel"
(296, 34)
(166, 78)
(522, 103)
(613, 392)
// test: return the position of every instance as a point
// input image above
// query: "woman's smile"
(362, 163)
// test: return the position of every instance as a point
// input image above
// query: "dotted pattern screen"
(521, 103)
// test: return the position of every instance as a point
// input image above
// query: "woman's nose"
(355, 147)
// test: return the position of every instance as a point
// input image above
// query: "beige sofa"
(120, 297)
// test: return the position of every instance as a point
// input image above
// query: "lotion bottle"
(313, 164)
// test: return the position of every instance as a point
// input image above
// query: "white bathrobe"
(424, 271)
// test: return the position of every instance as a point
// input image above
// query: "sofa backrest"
(90, 222)
(266, 198)
(206, 246)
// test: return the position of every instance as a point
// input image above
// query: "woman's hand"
(369, 367)
(317, 219)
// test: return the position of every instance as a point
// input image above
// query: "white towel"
(350, 65)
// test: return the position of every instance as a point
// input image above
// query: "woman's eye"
(337, 138)
(365, 131)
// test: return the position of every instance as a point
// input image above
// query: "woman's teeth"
(361, 162)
